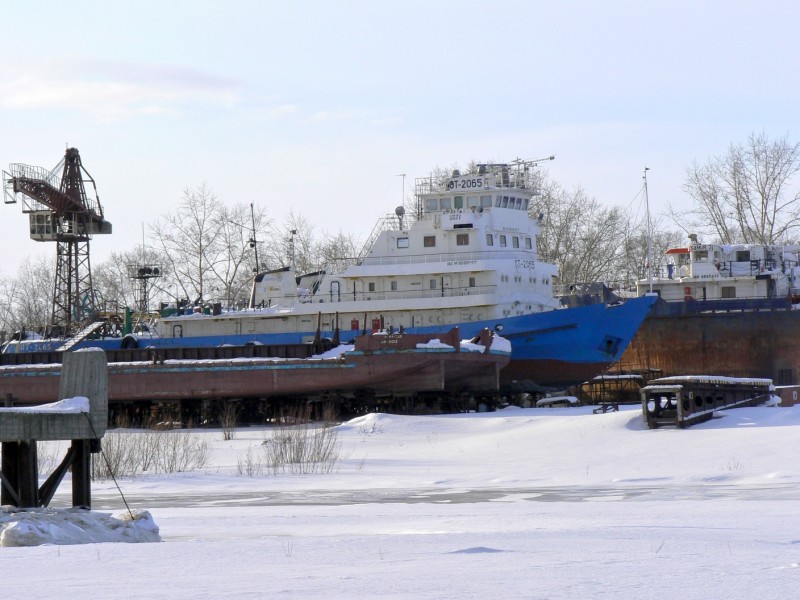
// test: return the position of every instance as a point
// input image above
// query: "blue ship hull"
(555, 348)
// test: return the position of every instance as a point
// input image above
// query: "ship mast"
(649, 235)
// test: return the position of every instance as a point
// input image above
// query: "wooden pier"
(84, 380)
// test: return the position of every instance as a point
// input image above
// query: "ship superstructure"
(709, 272)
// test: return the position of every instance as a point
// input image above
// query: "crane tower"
(61, 209)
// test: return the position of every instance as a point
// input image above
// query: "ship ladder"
(80, 336)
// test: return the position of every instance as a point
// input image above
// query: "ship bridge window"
(486, 201)
(505, 202)
(701, 255)
(526, 204)
(515, 242)
(518, 204)
(429, 241)
(445, 203)
(498, 201)
(458, 202)
(489, 239)
(462, 239)
(528, 243)
(402, 242)
(431, 204)
(473, 202)
(502, 241)
(742, 255)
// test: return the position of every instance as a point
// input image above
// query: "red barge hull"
(379, 364)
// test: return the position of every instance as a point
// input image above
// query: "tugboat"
(464, 257)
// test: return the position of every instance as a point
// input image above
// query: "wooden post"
(28, 479)
(10, 474)
(82, 474)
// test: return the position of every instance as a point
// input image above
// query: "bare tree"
(582, 237)
(339, 249)
(28, 297)
(744, 196)
(191, 242)
(238, 235)
(634, 260)
(292, 242)
(112, 279)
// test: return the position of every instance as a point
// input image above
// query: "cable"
(108, 466)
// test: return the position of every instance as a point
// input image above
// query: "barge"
(374, 366)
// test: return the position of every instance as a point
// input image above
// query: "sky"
(317, 108)
(519, 503)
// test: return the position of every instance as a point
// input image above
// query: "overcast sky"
(317, 107)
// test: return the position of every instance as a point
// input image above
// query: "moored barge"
(373, 366)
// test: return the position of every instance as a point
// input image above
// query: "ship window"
(489, 239)
(394, 286)
(515, 242)
(742, 255)
(431, 204)
(471, 282)
(728, 291)
(402, 242)
(498, 201)
(486, 201)
(701, 255)
(518, 204)
(462, 239)
(473, 202)
(458, 202)
(526, 204)
(502, 241)
(528, 244)
(429, 241)
(432, 284)
(445, 203)
(505, 202)
(372, 286)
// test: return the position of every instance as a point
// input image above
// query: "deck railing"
(346, 296)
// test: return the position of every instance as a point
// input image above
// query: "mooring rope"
(108, 466)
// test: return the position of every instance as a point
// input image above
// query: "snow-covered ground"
(520, 503)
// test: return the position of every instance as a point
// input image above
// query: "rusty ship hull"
(732, 339)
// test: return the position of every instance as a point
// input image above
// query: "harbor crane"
(62, 207)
